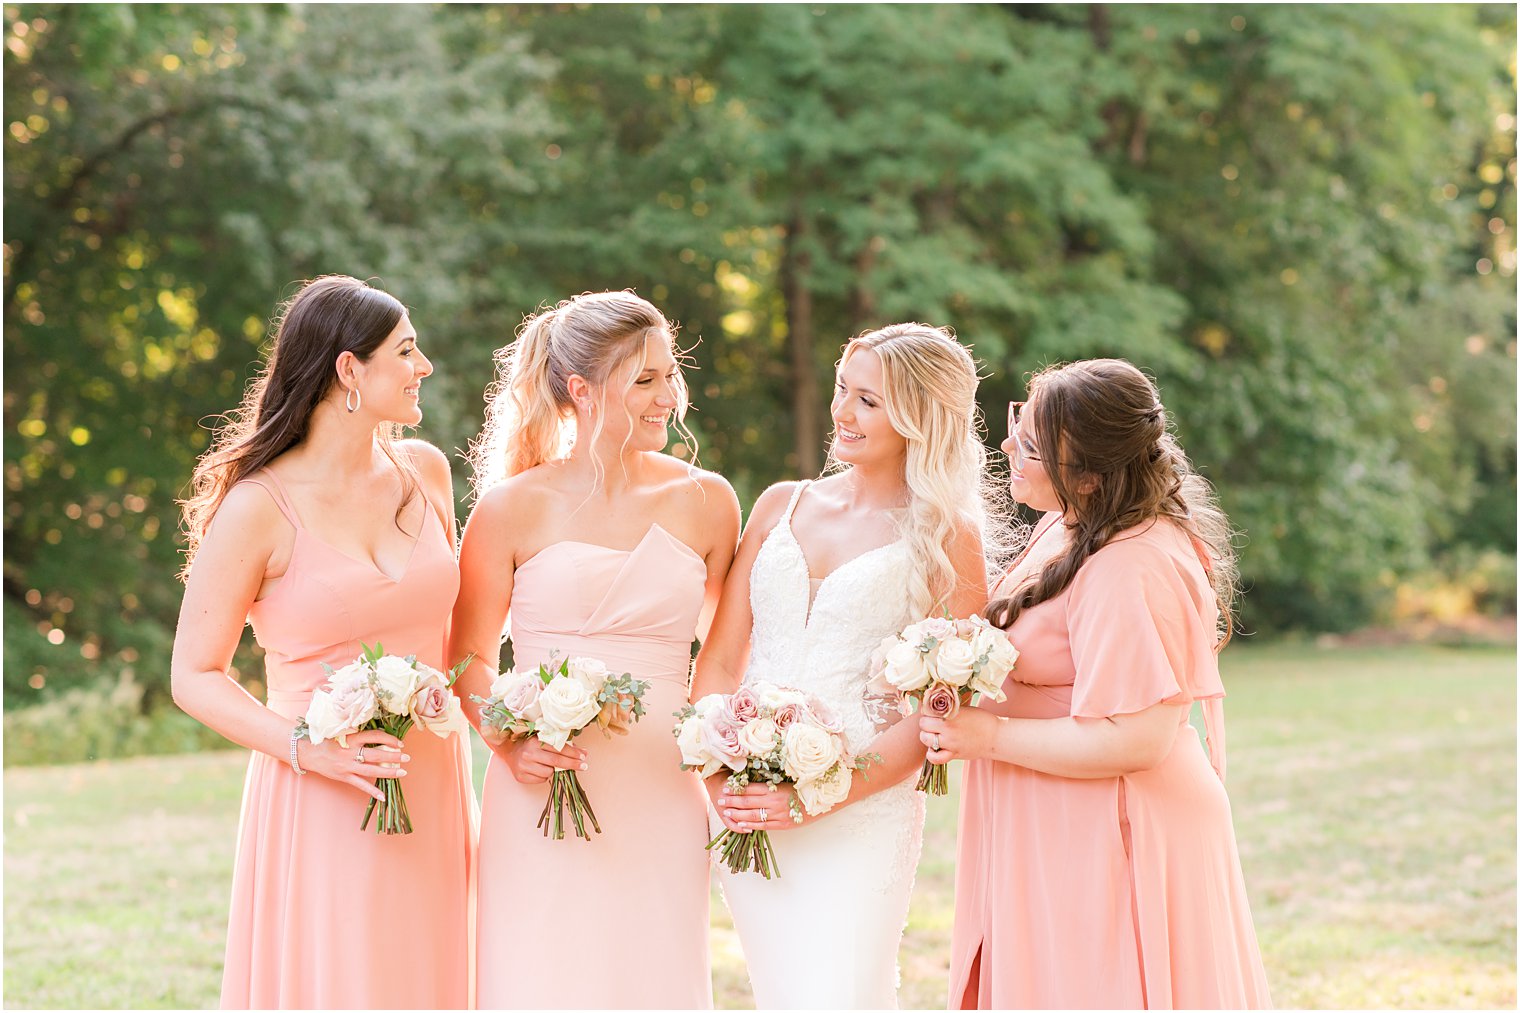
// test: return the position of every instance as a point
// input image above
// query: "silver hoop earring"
(352, 400)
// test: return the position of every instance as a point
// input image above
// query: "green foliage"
(101, 722)
(1300, 219)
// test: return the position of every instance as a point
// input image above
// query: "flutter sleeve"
(1142, 631)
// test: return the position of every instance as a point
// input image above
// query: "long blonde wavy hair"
(530, 417)
(930, 382)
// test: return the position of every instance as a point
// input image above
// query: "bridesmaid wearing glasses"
(1098, 865)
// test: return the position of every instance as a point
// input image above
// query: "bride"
(825, 570)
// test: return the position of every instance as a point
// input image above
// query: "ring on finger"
(935, 744)
(764, 815)
(359, 756)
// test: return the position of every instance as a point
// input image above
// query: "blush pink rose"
(744, 705)
(720, 733)
(788, 714)
(941, 701)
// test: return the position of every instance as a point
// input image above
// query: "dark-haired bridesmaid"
(310, 519)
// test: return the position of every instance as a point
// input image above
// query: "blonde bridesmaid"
(311, 520)
(592, 542)
(1097, 865)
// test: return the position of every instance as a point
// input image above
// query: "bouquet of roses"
(767, 734)
(937, 665)
(383, 691)
(556, 702)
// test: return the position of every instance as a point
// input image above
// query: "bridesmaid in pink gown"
(1098, 866)
(614, 551)
(325, 532)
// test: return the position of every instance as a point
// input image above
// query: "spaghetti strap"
(276, 492)
(791, 506)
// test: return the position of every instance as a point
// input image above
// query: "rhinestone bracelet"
(296, 735)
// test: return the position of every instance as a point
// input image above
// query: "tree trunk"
(796, 265)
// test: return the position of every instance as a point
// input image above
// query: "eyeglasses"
(1023, 450)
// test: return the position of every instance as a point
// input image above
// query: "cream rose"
(905, 668)
(337, 713)
(589, 672)
(759, 737)
(773, 696)
(809, 751)
(953, 662)
(822, 793)
(395, 683)
(567, 706)
(693, 746)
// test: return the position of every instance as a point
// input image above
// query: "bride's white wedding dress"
(825, 932)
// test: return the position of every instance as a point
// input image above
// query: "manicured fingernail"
(584, 767)
(404, 757)
(400, 773)
(731, 814)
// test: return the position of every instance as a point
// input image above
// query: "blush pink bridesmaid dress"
(325, 915)
(1117, 892)
(620, 921)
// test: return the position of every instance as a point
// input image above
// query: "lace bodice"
(828, 652)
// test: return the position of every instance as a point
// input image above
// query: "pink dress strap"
(276, 492)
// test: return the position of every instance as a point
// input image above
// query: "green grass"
(1374, 795)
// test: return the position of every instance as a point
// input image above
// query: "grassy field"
(1374, 795)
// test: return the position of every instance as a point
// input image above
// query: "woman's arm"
(1067, 747)
(487, 563)
(232, 563)
(725, 651)
(720, 517)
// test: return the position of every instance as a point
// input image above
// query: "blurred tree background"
(1301, 219)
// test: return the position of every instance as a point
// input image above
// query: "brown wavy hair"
(1102, 420)
(330, 315)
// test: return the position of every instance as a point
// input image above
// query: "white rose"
(693, 746)
(772, 696)
(953, 663)
(338, 713)
(905, 668)
(988, 683)
(500, 683)
(349, 676)
(566, 705)
(1004, 655)
(759, 737)
(809, 751)
(824, 792)
(589, 673)
(708, 704)
(396, 682)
